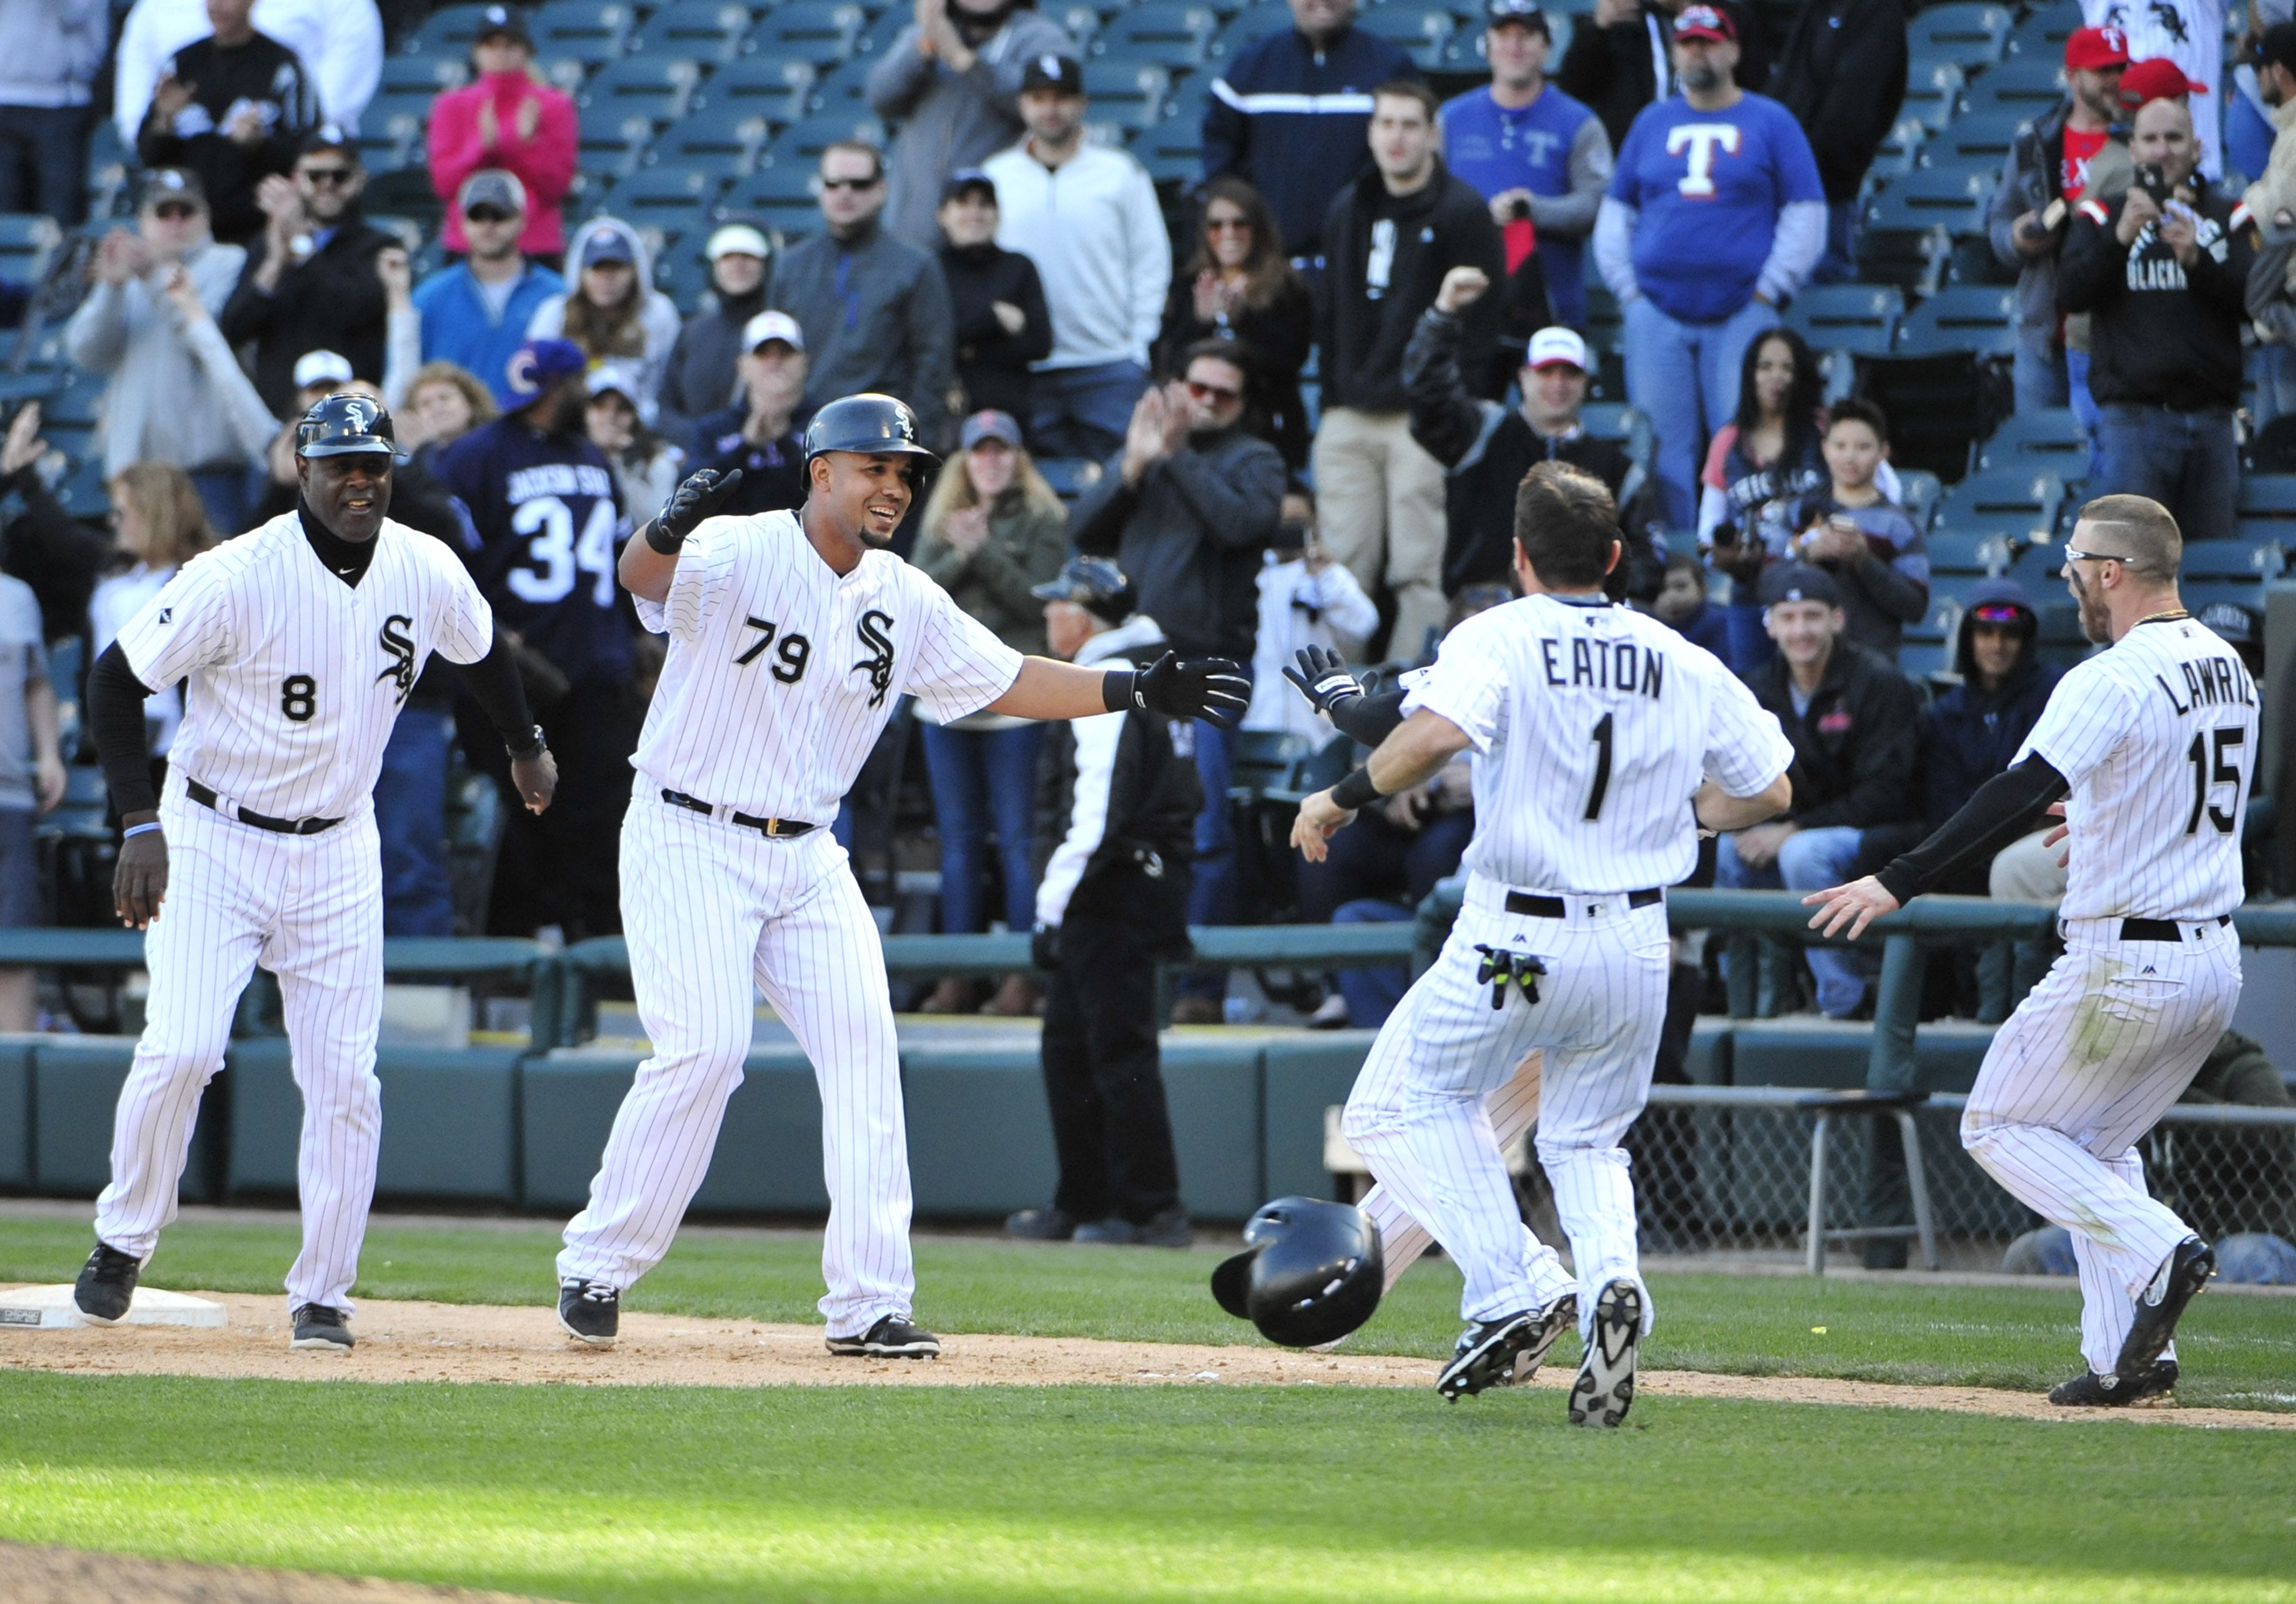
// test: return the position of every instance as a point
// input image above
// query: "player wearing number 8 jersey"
(791, 636)
(2151, 745)
(300, 641)
(1598, 733)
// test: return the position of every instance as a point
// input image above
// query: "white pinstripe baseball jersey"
(1595, 726)
(2156, 737)
(782, 674)
(296, 677)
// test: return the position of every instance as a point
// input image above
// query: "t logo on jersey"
(399, 647)
(1702, 140)
(880, 662)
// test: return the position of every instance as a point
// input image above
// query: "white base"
(50, 1308)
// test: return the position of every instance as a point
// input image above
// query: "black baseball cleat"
(2089, 1390)
(2191, 1263)
(106, 1285)
(1506, 1352)
(589, 1311)
(891, 1338)
(322, 1329)
(1605, 1388)
(1041, 1225)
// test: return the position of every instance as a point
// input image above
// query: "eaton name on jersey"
(2210, 683)
(557, 478)
(1621, 667)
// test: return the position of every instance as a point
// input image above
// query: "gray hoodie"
(55, 48)
(657, 319)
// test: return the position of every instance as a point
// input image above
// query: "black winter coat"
(331, 301)
(1843, 75)
(992, 366)
(1362, 329)
(1856, 749)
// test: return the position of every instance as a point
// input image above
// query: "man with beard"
(301, 640)
(952, 80)
(547, 521)
(791, 637)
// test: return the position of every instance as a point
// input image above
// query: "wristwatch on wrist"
(535, 742)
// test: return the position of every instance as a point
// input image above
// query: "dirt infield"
(477, 1343)
(61, 1576)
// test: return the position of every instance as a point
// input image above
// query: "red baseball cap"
(2159, 79)
(1705, 22)
(2094, 49)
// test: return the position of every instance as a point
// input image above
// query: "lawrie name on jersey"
(1618, 665)
(2212, 682)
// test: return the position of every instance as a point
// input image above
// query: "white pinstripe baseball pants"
(709, 910)
(309, 909)
(2088, 1063)
(1421, 1112)
(1513, 1108)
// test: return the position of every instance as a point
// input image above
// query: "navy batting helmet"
(873, 424)
(1311, 1272)
(1094, 584)
(345, 425)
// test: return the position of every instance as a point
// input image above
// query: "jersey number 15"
(2211, 769)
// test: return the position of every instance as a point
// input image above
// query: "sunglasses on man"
(489, 214)
(320, 178)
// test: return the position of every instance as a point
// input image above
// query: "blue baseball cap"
(539, 363)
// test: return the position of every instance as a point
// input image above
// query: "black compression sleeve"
(115, 716)
(1369, 719)
(2007, 807)
(493, 684)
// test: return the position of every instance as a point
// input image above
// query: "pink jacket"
(545, 163)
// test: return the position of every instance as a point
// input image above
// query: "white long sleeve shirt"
(1298, 608)
(1094, 229)
(1096, 739)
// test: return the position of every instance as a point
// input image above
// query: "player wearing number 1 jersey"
(2152, 745)
(549, 524)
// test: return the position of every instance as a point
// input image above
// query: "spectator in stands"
(31, 781)
(1103, 252)
(2271, 202)
(612, 311)
(1185, 509)
(234, 108)
(1683, 606)
(338, 43)
(1540, 158)
(1112, 908)
(1484, 448)
(1239, 286)
(704, 371)
(44, 545)
(55, 48)
(1620, 59)
(761, 433)
(2250, 124)
(542, 504)
(158, 524)
(1391, 237)
(310, 281)
(444, 403)
(1002, 324)
(1852, 530)
(2041, 181)
(506, 118)
(475, 312)
(2165, 281)
(177, 393)
(1287, 115)
(1843, 75)
(1305, 600)
(1855, 723)
(951, 80)
(1973, 730)
(646, 467)
(1767, 457)
(993, 531)
(1716, 216)
(876, 312)
(2189, 33)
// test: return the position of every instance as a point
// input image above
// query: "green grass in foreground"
(2236, 1351)
(1118, 1494)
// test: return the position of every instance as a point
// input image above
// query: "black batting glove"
(698, 498)
(1323, 679)
(1045, 947)
(1212, 688)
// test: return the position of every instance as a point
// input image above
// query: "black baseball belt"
(206, 797)
(1553, 907)
(2164, 929)
(778, 829)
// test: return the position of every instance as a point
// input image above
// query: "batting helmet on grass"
(1311, 1272)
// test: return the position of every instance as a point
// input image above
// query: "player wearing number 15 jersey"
(549, 523)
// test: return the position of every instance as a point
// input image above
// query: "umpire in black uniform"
(1120, 795)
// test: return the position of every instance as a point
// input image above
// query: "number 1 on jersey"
(1601, 769)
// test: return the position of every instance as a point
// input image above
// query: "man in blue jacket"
(1973, 730)
(1288, 115)
(475, 313)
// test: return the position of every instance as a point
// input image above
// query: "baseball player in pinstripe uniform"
(791, 636)
(2152, 746)
(300, 641)
(1604, 741)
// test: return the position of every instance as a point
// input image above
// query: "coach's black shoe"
(589, 1311)
(1506, 1352)
(320, 1326)
(2190, 1266)
(1041, 1225)
(891, 1338)
(106, 1285)
(2089, 1390)
(1605, 1388)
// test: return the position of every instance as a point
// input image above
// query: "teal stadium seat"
(1932, 93)
(2021, 504)
(822, 32)
(2023, 84)
(658, 88)
(1160, 33)
(1972, 35)
(1979, 318)
(1421, 30)
(1851, 317)
(2048, 437)
(590, 32)
(709, 30)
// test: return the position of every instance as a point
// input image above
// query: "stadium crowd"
(1290, 396)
